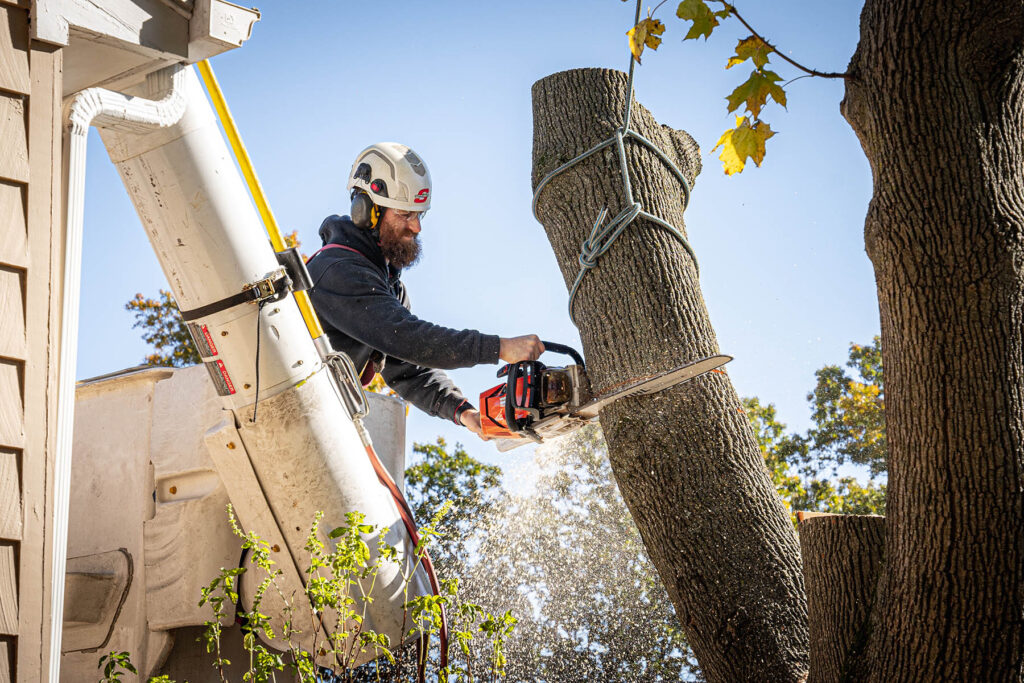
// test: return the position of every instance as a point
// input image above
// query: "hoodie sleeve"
(432, 391)
(353, 296)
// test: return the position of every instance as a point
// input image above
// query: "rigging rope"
(603, 235)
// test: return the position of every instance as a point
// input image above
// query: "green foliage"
(442, 474)
(785, 453)
(340, 582)
(849, 411)
(115, 665)
(849, 427)
(163, 328)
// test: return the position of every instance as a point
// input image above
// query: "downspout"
(103, 108)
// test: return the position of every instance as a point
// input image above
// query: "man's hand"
(515, 349)
(471, 421)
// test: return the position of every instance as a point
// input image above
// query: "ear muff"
(365, 214)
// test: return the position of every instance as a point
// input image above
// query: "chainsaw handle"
(566, 350)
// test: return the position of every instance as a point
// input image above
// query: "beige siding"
(14, 44)
(13, 222)
(8, 587)
(10, 495)
(30, 239)
(14, 133)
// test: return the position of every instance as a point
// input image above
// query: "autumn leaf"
(645, 34)
(755, 92)
(741, 143)
(704, 20)
(754, 48)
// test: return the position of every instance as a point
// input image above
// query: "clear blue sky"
(783, 267)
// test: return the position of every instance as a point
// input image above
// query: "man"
(363, 304)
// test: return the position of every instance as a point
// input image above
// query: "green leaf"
(704, 20)
(751, 47)
(755, 91)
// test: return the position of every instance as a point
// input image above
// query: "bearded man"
(364, 306)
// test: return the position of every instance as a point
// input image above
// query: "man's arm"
(430, 390)
(353, 296)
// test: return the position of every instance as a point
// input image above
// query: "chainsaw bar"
(651, 384)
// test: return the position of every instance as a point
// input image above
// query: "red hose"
(410, 526)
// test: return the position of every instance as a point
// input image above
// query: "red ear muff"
(364, 213)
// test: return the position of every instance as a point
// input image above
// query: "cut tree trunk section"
(685, 459)
(842, 558)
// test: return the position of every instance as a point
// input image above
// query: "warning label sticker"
(203, 339)
(221, 379)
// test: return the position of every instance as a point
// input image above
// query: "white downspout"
(109, 109)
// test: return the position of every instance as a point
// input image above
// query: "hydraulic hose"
(405, 512)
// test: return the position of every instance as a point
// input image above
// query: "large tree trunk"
(685, 460)
(937, 99)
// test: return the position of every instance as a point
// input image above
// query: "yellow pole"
(255, 189)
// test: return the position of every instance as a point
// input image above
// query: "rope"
(603, 235)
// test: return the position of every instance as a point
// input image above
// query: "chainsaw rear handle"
(567, 350)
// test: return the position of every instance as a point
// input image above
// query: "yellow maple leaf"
(741, 143)
(645, 34)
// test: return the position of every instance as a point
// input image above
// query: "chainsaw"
(536, 402)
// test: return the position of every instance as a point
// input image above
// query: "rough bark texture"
(685, 460)
(937, 102)
(842, 558)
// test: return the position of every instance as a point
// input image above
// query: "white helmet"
(392, 175)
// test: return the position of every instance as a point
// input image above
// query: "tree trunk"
(842, 557)
(937, 99)
(685, 460)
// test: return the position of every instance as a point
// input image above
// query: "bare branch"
(809, 72)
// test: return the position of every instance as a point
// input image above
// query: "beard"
(400, 252)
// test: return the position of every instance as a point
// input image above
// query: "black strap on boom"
(269, 288)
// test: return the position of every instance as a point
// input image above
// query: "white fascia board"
(151, 24)
(161, 29)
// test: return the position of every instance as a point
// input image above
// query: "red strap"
(336, 246)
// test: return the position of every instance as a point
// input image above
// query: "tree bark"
(842, 557)
(685, 460)
(937, 100)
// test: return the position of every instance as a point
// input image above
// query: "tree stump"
(842, 557)
(685, 459)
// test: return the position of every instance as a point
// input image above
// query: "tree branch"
(809, 72)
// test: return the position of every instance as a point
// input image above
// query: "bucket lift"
(288, 439)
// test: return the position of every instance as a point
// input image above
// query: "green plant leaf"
(755, 91)
(704, 20)
(753, 48)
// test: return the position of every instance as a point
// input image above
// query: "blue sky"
(781, 249)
